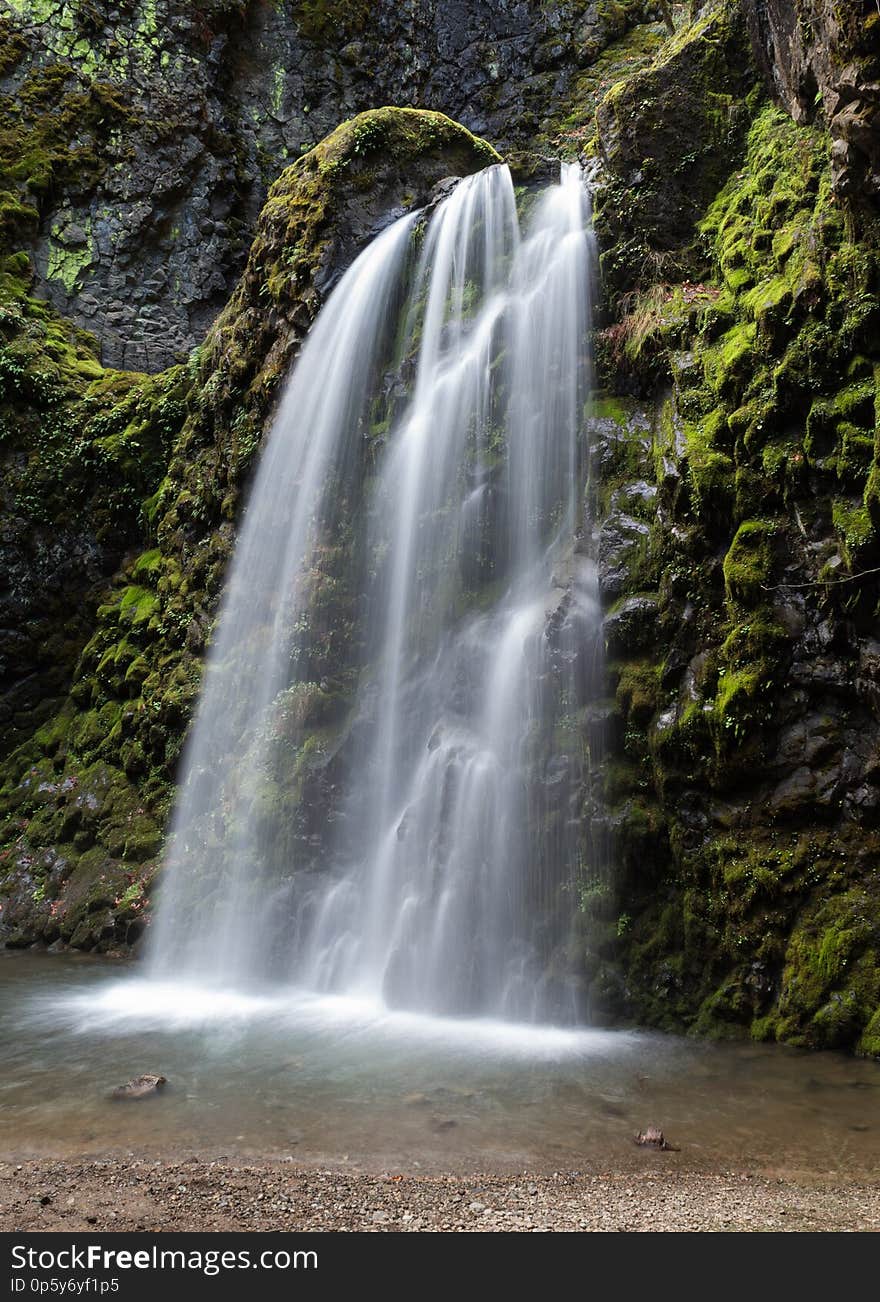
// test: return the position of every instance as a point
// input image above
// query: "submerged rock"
(653, 1137)
(416, 1100)
(140, 1087)
(440, 1125)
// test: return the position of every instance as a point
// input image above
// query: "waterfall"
(411, 545)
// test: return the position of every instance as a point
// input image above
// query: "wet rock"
(440, 1125)
(140, 1087)
(789, 611)
(416, 1100)
(631, 625)
(809, 741)
(653, 1137)
(867, 681)
(818, 59)
(824, 671)
(621, 540)
(532, 169)
(601, 721)
(442, 190)
(797, 790)
(73, 236)
(644, 205)
(233, 117)
(640, 493)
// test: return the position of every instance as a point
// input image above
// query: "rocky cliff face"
(822, 60)
(739, 552)
(735, 442)
(142, 136)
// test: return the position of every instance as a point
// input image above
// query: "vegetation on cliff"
(747, 719)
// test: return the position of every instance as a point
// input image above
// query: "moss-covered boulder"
(152, 470)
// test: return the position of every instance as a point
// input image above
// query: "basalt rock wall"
(821, 59)
(143, 135)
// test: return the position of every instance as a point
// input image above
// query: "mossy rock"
(869, 1044)
(831, 980)
(765, 462)
(654, 187)
(749, 561)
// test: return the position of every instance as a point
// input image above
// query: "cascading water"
(420, 490)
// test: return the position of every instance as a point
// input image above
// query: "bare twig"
(821, 583)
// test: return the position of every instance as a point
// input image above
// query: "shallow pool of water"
(289, 1074)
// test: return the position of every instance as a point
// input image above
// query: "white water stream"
(447, 869)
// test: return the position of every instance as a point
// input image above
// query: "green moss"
(572, 131)
(853, 523)
(137, 605)
(53, 135)
(148, 565)
(770, 439)
(831, 980)
(710, 469)
(869, 1044)
(607, 407)
(852, 406)
(724, 1013)
(332, 21)
(749, 561)
(731, 360)
(654, 186)
(769, 301)
(67, 263)
(658, 320)
(638, 690)
(739, 693)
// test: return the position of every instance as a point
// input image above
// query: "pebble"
(128, 1193)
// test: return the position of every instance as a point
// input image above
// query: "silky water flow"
(383, 791)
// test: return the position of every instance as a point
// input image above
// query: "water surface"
(286, 1074)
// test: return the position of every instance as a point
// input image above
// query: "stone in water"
(140, 1087)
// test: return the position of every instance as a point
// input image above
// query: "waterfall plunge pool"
(287, 1074)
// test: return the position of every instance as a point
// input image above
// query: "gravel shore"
(120, 1194)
